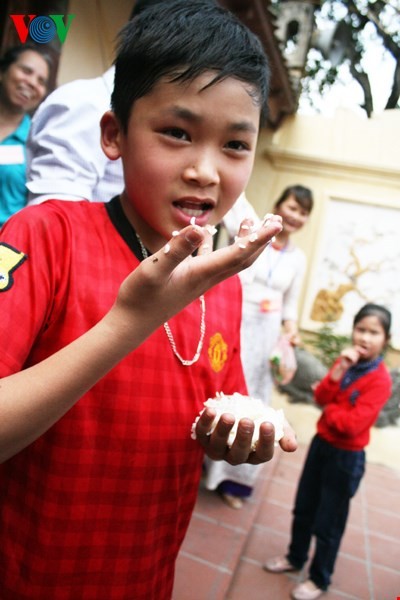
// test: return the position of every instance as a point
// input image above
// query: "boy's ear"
(110, 135)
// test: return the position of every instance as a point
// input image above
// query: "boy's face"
(188, 152)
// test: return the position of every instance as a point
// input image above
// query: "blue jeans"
(329, 480)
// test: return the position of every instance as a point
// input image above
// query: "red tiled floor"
(385, 583)
(200, 581)
(263, 543)
(380, 497)
(387, 523)
(351, 577)
(381, 477)
(224, 550)
(253, 583)
(385, 551)
(226, 541)
(278, 515)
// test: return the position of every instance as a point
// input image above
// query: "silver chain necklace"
(184, 361)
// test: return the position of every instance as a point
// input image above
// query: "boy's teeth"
(192, 212)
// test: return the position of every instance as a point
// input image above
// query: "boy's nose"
(203, 171)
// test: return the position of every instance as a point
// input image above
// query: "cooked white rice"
(243, 406)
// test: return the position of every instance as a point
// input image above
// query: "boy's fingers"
(214, 443)
(258, 235)
(266, 442)
(204, 424)
(179, 247)
(223, 262)
(246, 228)
(218, 443)
(249, 244)
(207, 245)
(241, 447)
(289, 441)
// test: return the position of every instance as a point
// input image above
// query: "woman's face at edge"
(24, 83)
(294, 216)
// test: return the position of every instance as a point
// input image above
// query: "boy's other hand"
(216, 444)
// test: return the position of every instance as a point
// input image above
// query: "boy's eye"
(176, 132)
(237, 145)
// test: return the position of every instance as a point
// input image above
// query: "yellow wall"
(89, 48)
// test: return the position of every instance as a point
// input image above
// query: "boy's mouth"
(193, 209)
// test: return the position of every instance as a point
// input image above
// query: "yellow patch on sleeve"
(10, 259)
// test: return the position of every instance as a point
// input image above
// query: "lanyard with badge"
(268, 304)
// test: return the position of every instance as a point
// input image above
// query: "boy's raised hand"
(172, 278)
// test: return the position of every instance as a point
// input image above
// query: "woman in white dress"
(271, 289)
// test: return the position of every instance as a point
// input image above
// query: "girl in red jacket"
(351, 395)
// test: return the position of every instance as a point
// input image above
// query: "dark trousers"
(329, 480)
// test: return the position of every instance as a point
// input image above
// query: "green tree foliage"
(363, 22)
(328, 345)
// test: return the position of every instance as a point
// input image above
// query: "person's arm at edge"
(64, 142)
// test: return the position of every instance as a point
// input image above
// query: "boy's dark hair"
(302, 194)
(12, 54)
(141, 5)
(375, 310)
(182, 39)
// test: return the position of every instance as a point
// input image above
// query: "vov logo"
(42, 29)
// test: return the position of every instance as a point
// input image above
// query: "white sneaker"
(232, 501)
(306, 591)
(278, 564)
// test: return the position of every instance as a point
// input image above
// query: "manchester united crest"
(217, 352)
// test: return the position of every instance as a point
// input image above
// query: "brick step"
(215, 541)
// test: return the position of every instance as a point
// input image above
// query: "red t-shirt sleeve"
(33, 246)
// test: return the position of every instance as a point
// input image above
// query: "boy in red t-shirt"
(100, 474)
